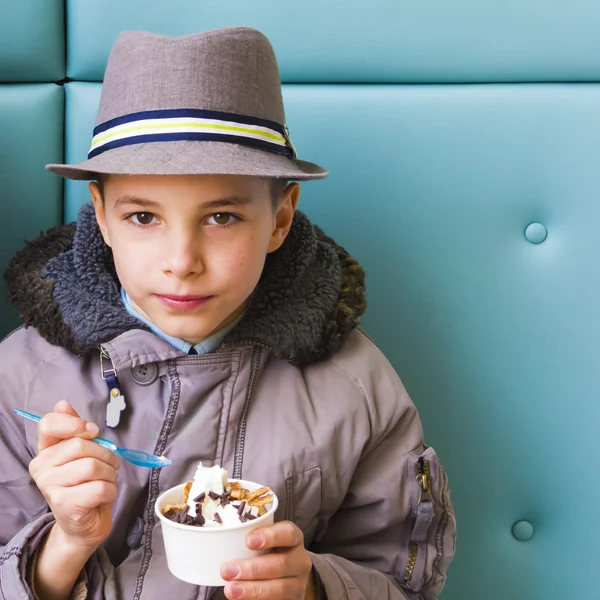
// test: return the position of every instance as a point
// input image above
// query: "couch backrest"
(463, 142)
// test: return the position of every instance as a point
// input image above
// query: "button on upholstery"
(523, 531)
(135, 533)
(536, 233)
(145, 374)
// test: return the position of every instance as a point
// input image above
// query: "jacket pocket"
(303, 500)
(432, 541)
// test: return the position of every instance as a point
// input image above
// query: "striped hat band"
(191, 124)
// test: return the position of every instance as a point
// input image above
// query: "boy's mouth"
(183, 302)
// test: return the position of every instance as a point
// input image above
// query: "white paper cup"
(195, 554)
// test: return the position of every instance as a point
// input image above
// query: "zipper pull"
(116, 401)
(426, 506)
(424, 479)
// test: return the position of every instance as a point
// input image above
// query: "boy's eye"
(143, 218)
(221, 218)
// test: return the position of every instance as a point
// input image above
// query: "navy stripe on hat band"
(188, 113)
(193, 136)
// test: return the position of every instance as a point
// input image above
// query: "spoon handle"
(106, 443)
(27, 415)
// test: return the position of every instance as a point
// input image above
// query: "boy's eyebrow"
(135, 201)
(227, 201)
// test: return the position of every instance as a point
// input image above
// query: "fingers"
(63, 407)
(270, 566)
(63, 424)
(85, 496)
(78, 472)
(276, 589)
(67, 451)
(280, 535)
(281, 574)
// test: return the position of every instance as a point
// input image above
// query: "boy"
(192, 312)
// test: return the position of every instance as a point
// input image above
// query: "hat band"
(191, 124)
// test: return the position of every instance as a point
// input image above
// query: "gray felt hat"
(206, 104)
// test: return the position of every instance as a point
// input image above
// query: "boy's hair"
(277, 187)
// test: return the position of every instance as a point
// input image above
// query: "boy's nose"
(182, 258)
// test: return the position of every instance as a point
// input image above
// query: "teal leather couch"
(463, 140)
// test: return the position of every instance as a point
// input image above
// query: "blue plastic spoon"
(136, 457)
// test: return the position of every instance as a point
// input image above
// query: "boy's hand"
(77, 477)
(285, 574)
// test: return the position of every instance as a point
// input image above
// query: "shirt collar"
(210, 344)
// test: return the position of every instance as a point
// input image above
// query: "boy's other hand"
(77, 477)
(284, 574)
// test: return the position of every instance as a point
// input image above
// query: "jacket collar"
(310, 296)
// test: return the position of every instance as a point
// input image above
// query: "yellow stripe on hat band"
(138, 129)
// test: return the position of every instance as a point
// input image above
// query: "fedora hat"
(202, 104)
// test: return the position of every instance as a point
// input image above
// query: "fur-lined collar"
(310, 296)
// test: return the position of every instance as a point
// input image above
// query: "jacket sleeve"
(24, 514)
(393, 536)
(25, 518)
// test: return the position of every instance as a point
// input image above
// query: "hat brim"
(190, 158)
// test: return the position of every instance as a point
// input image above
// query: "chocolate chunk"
(182, 517)
(224, 500)
(200, 497)
(241, 508)
(213, 495)
(198, 508)
(250, 516)
(218, 519)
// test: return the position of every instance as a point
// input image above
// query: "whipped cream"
(214, 501)
(207, 480)
(209, 491)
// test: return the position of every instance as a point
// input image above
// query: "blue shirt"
(210, 344)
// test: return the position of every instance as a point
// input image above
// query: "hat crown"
(232, 70)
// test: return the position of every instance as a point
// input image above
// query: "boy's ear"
(284, 215)
(99, 210)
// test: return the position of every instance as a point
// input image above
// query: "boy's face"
(189, 250)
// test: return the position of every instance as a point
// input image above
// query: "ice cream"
(211, 500)
(196, 547)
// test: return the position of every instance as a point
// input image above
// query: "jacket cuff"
(319, 589)
(17, 555)
(79, 589)
(331, 585)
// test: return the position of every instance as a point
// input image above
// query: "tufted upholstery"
(471, 199)
(31, 125)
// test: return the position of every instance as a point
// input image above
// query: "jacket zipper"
(238, 458)
(413, 551)
(441, 530)
(424, 480)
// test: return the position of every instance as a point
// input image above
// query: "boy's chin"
(187, 334)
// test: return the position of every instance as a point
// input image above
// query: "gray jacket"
(297, 397)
